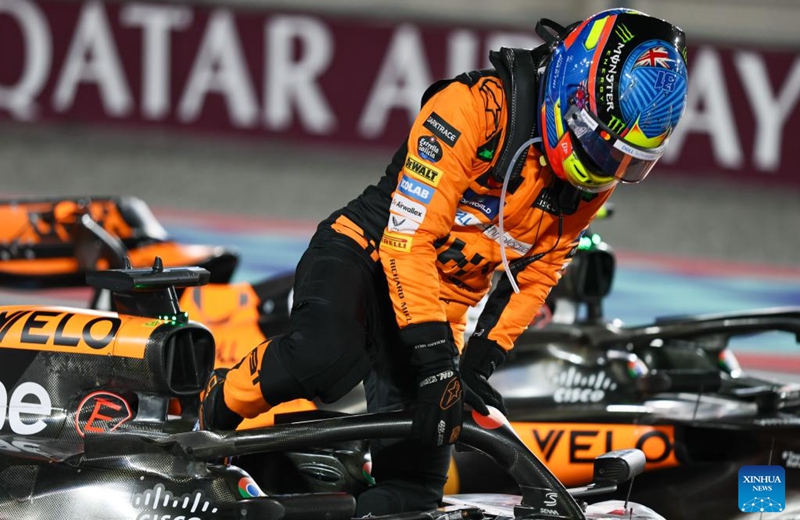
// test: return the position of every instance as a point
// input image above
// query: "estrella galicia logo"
(429, 148)
(762, 489)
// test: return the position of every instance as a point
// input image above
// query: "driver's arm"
(507, 314)
(424, 204)
(422, 211)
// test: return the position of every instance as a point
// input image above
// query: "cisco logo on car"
(574, 387)
(28, 399)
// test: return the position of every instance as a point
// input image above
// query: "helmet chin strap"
(506, 178)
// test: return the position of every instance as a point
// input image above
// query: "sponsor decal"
(408, 208)
(57, 328)
(791, 459)
(160, 504)
(401, 224)
(436, 124)
(569, 449)
(396, 241)
(487, 150)
(762, 489)
(452, 394)
(508, 241)
(492, 94)
(546, 201)
(423, 171)
(487, 205)
(101, 412)
(22, 446)
(464, 218)
(415, 190)
(616, 125)
(429, 148)
(574, 387)
(608, 75)
(623, 33)
(551, 499)
(248, 488)
(25, 408)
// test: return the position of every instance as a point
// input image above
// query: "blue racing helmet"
(612, 92)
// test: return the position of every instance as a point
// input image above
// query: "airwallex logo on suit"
(159, 504)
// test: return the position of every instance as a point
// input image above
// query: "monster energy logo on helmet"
(624, 33)
(616, 125)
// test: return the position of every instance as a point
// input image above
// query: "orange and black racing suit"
(418, 247)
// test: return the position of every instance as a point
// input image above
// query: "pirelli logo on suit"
(421, 170)
(396, 241)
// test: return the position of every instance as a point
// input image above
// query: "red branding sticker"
(101, 412)
(494, 420)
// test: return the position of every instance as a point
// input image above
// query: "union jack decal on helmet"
(658, 56)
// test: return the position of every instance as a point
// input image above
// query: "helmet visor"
(610, 155)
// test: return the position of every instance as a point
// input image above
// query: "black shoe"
(214, 413)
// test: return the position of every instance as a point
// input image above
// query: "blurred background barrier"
(316, 76)
(285, 110)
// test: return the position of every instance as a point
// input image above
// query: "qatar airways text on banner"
(353, 82)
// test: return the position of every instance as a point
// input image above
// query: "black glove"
(439, 409)
(480, 359)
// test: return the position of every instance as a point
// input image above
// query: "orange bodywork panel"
(569, 449)
(62, 329)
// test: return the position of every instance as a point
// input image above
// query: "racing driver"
(503, 169)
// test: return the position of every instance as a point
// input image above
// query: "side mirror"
(610, 470)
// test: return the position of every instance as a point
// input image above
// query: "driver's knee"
(310, 365)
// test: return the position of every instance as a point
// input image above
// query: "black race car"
(99, 413)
